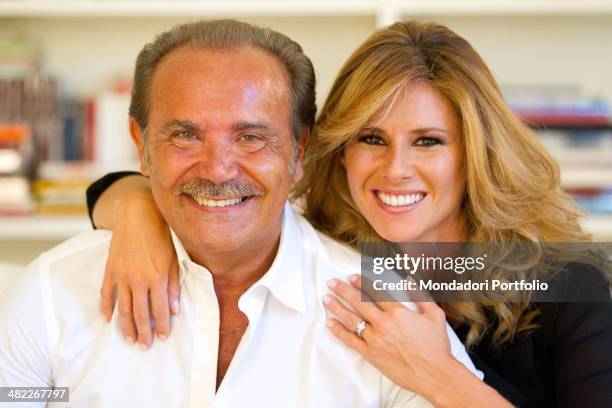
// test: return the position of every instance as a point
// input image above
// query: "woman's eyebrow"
(372, 129)
(428, 129)
(375, 129)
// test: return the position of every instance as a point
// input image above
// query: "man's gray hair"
(229, 34)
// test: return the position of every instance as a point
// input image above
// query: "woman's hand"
(141, 269)
(412, 349)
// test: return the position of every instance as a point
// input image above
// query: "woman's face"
(406, 172)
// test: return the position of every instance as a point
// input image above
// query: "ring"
(360, 327)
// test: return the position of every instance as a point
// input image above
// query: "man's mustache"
(204, 188)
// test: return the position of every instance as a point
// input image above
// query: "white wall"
(543, 50)
(87, 53)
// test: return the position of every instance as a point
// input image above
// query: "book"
(113, 144)
(15, 198)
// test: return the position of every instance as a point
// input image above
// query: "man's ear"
(299, 158)
(138, 139)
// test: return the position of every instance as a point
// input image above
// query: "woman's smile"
(398, 201)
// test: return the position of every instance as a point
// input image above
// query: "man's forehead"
(222, 67)
(245, 80)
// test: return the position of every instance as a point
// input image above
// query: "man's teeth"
(219, 203)
(399, 200)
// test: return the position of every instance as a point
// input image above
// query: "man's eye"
(372, 140)
(186, 134)
(427, 141)
(250, 138)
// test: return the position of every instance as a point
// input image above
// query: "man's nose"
(217, 162)
(399, 164)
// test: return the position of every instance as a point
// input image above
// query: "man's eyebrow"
(238, 126)
(186, 124)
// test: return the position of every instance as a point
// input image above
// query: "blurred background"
(66, 66)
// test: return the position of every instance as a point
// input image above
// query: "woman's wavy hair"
(513, 192)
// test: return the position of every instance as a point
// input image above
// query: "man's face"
(219, 140)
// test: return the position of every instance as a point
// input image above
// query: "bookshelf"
(523, 41)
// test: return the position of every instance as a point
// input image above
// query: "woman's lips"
(399, 201)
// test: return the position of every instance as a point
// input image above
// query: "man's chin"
(206, 238)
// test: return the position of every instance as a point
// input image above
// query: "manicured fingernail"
(329, 322)
(162, 337)
(130, 340)
(353, 278)
(143, 346)
(332, 283)
(327, 299)
(175, 307)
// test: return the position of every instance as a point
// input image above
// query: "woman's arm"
(410, 348)
(97, 188)
(141, 262)
(112, 198)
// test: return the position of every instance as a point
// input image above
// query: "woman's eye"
(372, 140)
(427, 141)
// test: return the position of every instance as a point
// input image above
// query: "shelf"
(386, 11)
(506, 7)
(62, 227)
(39, 227)
(89, 8)
(586, 177)
(600, 225)
(573, 128)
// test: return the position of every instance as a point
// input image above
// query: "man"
(220, 113)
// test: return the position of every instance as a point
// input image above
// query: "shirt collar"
(285, 278)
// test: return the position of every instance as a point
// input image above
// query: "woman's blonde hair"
(513, 191)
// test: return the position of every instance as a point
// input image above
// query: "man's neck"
(236, 269)
(236, 272)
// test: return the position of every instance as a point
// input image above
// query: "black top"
(565, 362)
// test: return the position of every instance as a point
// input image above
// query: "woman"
(420, 147)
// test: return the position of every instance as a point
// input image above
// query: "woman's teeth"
(399, 200)
(219, 203)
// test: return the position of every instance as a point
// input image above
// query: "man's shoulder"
(78, 260)
(70, 271)
(339, 257)
(96, 241)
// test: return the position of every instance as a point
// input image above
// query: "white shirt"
(53, 333)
